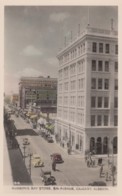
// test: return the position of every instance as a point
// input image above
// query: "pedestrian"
(54, 165)
(101, 170)
(88, 163)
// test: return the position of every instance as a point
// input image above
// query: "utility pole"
(30, 155)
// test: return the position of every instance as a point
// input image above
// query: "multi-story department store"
(38, 91)
(87, 110)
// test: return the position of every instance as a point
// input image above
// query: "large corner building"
(87, 111)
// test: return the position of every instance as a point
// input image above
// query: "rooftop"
(90, 31)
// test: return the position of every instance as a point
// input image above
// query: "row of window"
(79, 119)
(72, 54)
(102, 120)
(102, 48)
(103, 66)
(80, 83)
(102, 84)
(96, 65)
(72, 69)
(96, 120)
(96, 83)
(102, 102)
(96, 102)
(80, 101)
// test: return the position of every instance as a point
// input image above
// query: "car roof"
(36, 155)
(56, 154)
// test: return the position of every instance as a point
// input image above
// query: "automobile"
(26, 141)
(50, 139)
(47, 178)
(57, 158)
(97, 183)
(37, 161)
(42, 133)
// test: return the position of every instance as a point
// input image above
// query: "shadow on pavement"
(20, 132)
(19, 170)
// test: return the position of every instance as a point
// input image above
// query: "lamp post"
(24, 148)
(30, 155)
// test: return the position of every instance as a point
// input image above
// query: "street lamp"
(30, 155)
(24, 148)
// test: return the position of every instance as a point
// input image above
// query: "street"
(73, 172)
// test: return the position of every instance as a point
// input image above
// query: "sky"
(33, 36)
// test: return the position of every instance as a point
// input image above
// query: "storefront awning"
(33, 116)
(42, 121)
(50, 127)
(29, 114)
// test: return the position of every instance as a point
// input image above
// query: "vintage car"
(47, 178)
(25, 141)
(56, 157)
(97, 183)
(37, 161)
(49, 139)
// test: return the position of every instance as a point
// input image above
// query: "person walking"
(54, 165)
(101, 170)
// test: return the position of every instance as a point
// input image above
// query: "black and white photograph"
(60, 115)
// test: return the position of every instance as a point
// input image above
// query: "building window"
(99, 83)
(93, 65)
(100, 47)
(116, 49)
(92, 120)
(106, 84)
(115, 120)
(94, 47)
(73, 85)
(93, 83)
(100, 66)
(106, 66)
(116, 102)
(106, 102)
(105, 120)
(93, 102)
(99, 120)
(66, 86)
(66, 72)
(107, 48)
(116, 85)
(99, 102)
(116, 66)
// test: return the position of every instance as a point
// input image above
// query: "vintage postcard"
(60, 94)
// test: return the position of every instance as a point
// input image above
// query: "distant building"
(87, 110)
(38, 92)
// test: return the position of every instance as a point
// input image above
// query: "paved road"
(72, 172)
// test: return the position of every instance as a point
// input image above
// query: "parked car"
(26, 141)
(57, 158)
(37, 161)
(50, 139)
(97, 183)
(42, 133)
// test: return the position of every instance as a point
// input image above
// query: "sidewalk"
(20, 175)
